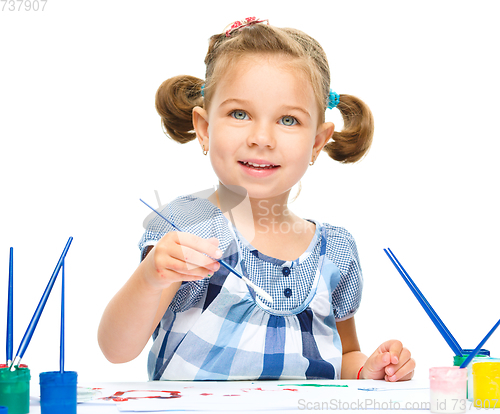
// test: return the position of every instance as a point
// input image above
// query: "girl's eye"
(288, 121)
(241, 115)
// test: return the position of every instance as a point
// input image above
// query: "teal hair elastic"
(333, 99)
(203, 90)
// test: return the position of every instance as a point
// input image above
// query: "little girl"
(260, 115)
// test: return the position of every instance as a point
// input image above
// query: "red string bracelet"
(359, 372)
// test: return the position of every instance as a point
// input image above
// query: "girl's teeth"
(257, 165)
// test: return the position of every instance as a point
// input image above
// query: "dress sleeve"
(341, 249)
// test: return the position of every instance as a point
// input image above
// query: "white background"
(81, 142)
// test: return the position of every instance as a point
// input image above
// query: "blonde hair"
(177, 96)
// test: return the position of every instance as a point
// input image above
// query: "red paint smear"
(206, 393)
(20, 366)
(231, 395)
(260, 389)
(117, 396)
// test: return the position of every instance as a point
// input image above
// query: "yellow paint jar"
(486, 384)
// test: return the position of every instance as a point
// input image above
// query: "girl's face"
(262, 126)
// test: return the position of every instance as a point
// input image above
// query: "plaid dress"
(218, 329)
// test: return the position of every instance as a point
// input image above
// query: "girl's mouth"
(258, 166)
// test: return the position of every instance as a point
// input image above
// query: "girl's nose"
(262, 135)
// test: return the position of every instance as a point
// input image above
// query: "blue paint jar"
(58, 392)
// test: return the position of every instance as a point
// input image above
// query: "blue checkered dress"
(218, 329)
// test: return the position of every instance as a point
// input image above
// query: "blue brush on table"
(257, 289)
(443, 330)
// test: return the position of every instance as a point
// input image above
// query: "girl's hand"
(391, 361)
(180, 256)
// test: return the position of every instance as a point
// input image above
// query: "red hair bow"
(242, 23)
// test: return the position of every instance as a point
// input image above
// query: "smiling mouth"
(258, 166)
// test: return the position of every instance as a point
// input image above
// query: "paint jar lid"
(489, 368)
(482, 351)
(52, 378)
(458, 360)
(19, 374)
(447, 373)
(3, 410)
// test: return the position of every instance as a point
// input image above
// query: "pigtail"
(174, 101)
(352, 143)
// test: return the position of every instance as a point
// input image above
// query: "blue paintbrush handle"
(427, 307)
(474, 353)
(162, 216)
(10, 309)
(38, 312)
(61, 345)
(456, 347)
(230, 268)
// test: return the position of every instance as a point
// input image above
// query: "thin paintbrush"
(10, 309)
(257, 289)
(443, 330)
(61, 345)
(456, 347)
(38, 312)
(474, 353)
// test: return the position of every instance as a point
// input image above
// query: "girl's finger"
(395, 349)
(403, 358)
(403, 373)
(193, 251)
(377, 362)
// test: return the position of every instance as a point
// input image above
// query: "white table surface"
(261, 396)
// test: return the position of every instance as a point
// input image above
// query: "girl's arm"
(134, 312)
(352, 358)
(391, 361)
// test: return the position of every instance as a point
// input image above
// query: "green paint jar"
(458, 360)
(15, 390)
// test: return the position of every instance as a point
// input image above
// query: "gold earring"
(204, 152)
(312, 163)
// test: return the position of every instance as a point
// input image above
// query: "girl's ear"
(200, 123)
(323, 135)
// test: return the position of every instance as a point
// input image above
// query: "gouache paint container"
(448, 390)
(15, 390)
(4, 410)
(487, 383)
(458, 360)
(58, 392)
